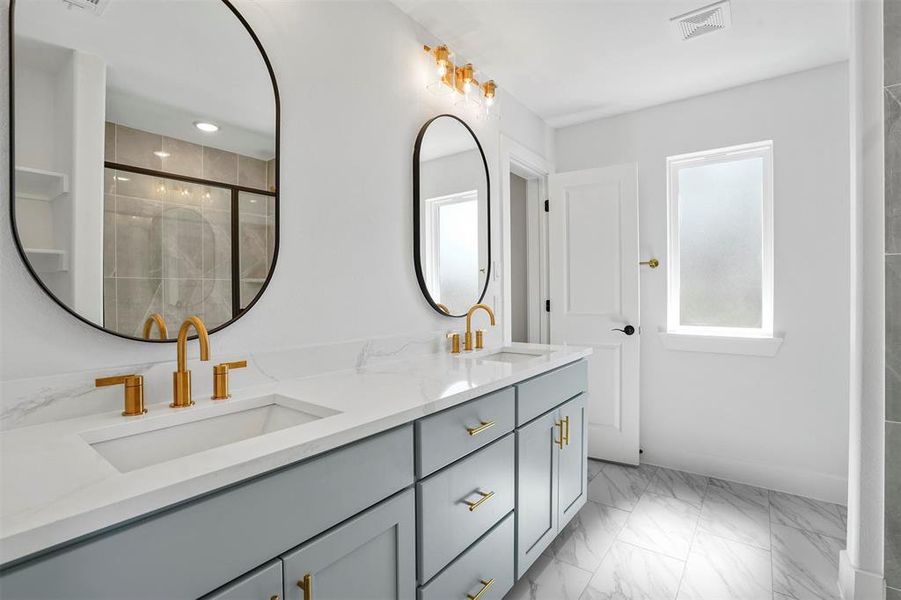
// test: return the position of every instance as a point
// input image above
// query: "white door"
(593, 248)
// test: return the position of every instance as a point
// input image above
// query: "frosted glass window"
(458, 250)
(720, 277)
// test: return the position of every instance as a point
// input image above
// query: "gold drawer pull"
(477, 430)
(566, 430)
(485, 586)
(484, 498)
(562, 441)
(306, 584)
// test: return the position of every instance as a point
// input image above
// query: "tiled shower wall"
(892, 92)
(167, 243)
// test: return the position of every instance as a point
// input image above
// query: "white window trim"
(677, 336)
(432, 219)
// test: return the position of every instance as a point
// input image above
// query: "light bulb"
(467, 86)
(442, 69)
(489, 101)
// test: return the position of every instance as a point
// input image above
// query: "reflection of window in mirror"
(452, 248)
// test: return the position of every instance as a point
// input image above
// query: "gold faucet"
(155, 318)
(467, 340)
(181, 379)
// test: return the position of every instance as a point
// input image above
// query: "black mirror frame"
(12, 183)
(417, 234)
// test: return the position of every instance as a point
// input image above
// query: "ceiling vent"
(713, 17)
(94, 6)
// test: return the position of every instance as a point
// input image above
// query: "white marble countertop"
(54, 487)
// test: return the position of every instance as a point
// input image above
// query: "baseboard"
(810, 484)
(857, 584)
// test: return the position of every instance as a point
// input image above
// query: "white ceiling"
(575, 60)
(169, 63)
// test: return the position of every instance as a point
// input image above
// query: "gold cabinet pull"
(477, 430)
(306, 584)
(484, 498)
(565, 432)
(485, 585)
(562, 441)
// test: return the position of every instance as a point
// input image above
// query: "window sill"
(715, 344)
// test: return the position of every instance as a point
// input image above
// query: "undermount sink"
(509, 355)
(133, 446)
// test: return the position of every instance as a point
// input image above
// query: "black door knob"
(628, 330)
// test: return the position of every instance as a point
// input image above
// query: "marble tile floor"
(649, 533)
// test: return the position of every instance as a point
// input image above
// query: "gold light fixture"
(450, 78)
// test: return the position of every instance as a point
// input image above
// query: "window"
(452, 248)
(720, 276)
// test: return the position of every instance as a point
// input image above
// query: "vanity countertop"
(55, 488)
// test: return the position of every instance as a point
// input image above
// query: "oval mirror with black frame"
(451, 215)
(144, 160)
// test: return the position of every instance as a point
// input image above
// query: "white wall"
(345, 267)
(779, 422)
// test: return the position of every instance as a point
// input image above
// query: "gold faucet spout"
(467, 340)
(202, 337)
(181, 379)
(158, 320)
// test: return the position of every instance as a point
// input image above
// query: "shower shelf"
(47, 260)
(37, 184)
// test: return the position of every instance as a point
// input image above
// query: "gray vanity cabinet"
(536, 489)
(264, 583)
(551, 458)
(573, 461)
(371, 556)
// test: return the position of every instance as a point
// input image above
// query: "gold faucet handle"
(480, 339)
(134, 392)
(220, 378)
(454, 337)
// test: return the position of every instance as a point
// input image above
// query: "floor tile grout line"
(691, 545)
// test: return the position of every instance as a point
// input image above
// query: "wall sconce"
(460, 80)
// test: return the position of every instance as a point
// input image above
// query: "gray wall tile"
(136, 299)
(109, 142)
(184, 157)
(251, 172)
(217, 301)
(892, 31)
(138, 223)
(110, 305)
(893, 337)
(182, 242)
(219, 165)
(893, 169)
(893, 504)
(217, 244)
(182, 298)
(136, 148)
(109, 235)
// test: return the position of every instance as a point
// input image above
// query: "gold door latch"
(653, 263)
(485, 585)
(220, 378)
(134, 392)
(306, 584)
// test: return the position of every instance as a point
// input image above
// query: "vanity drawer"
(447, 523)
(452, 434)
(536, 396)
(490, 559)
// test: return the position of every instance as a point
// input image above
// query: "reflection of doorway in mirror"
(452, 248)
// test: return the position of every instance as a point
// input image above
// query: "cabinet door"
(369, 556)
(536, 488)
(573, 460)
(264, 583)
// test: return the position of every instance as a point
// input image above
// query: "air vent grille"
(94, 6)
(715, 17)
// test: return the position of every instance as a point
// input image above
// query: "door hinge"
(547, 306)
(547, 206)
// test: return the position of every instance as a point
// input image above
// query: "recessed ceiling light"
(162, 154)
(206, 127)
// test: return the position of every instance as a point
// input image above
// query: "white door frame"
(517, 159)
